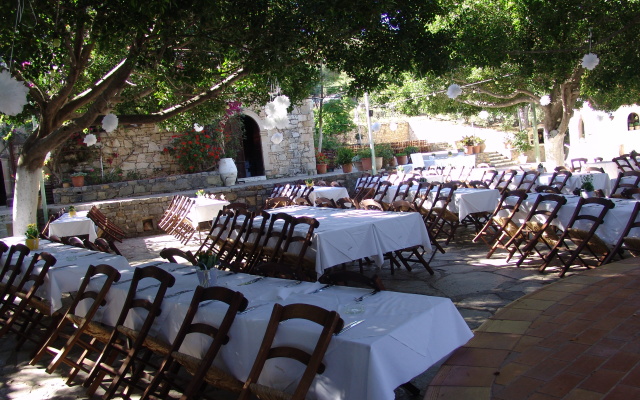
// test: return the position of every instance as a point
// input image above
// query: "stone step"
(494, 159)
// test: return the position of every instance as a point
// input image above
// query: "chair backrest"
(277, 202)
(623, 164)
(218, 232)
(381, 191)
(559, 179)
(547, 189)
(478, 185)
(297, 243)
(543, 211)
(102, 244)
(504, 180)
(577, 163)
(325, 202)
(236, 206)
(626, 180)
(404, 187)
(170, 253)
(94, 271)
(305, 192)
(330, 324)
(528, 180)
(345, 203)
(275, 235)
(90, 245)
(402, 206)
(14, 261)
(75, 241)
(30, 281)
(593, 169)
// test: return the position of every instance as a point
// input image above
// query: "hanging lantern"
(545, 100)
(454, 91)
(393, 126)
(590, 61)
(13, 94)
(483, 114)
(90, 139)
(110, 122)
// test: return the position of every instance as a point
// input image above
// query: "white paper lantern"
(545, 100)
(282, 102)
(483, 114)
(590, 61)
(375, 126)
(198, 128)
(271, 109)
(393, 126)
(90, 139)
(13, 94)
(269, 123)
(277, 138)
(454, 91)
(281, 122)
(110, 122)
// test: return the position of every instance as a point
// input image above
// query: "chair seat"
(152, 343)
(448, 215)
(95, 329)
(214, 376)
(596, 244)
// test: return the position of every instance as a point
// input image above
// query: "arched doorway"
(249, 160)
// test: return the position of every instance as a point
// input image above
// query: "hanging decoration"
(454, 91)
(90, 139)
(276, 138)
(393, 126)
(198, 128)
(483, 114)
(277, 113)
(375, 126)
(590, 60)
(545, 100)
(109, 122)
(13, 94)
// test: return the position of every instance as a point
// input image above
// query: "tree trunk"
(25, 199)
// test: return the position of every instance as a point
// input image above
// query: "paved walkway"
(578, 338)
(478, 286)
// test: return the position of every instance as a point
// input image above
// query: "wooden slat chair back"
(578, 163)
(230, 255)
(106, 275)
(12, 268)
(623, 164)
(559, 179)
(330, 324)
(547, 189)
(297, 243)
(22, 310)
(501, 218)
(169, 212)
(625, 180)
(528, 180)
(422, 194)
(537, 228)
(218, 232)
(585, 240)
(403, 190)
(626, 242)
(381, 192)
(274, 238)
(133, 355)
(201, 369)
(505, 179)
(174, 214)
(170, 254)
(416, 252)
(465, 173)
(439, 219)
(102, 245)
(489, 176)
(277, 202)
(249, 252)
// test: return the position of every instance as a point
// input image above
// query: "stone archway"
(250, 161)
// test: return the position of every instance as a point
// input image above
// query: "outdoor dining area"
(280, 300)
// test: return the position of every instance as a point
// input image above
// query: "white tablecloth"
(614, 222)
(70, 267)
(347, 235)
(600, 181)
(74, 226)
(426, 160)
(329, 192)
(609, 167)
(402, 334)
(205, 210)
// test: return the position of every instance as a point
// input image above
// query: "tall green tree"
(163, 61)
(506, 53)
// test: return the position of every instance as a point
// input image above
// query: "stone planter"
(347, 168)
(402, 160)
(228, 171)
(379, 161)
(77, 181)
(366, 164)
(321, 168)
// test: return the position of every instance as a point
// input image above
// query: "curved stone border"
(578, 338)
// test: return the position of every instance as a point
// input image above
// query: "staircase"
(494, 159)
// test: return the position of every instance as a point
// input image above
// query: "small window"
(633, 122)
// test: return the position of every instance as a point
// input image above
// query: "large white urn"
(228, 171)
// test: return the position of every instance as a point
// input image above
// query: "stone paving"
(477, 285)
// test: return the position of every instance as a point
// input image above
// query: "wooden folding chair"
(230, 255)
(370, 204)
(537, 228)
(249, 251)
(13, 263)
(581, 232)
(274, 238)
(107, 275)
(133, 357)
(625, 180)
(277, 202)
(578, 163)
(297, 241)
(22, 310)
(626, 242)
(170, 211)
(201, 369)
(305, 193)
(440, 220)
(623, 164)
(325, 202)
(489, 176)
(381, 192)
(505, 179)
(559, 179)
(403, 190)
(417, 251)
(218, 232)
(329, 321)
(102, 244)
(528, 180)
(501, 218)
(345, 203)
(170, 253)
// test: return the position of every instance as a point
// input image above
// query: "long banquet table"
(600, 181)
(348, 235)
(401, 336)
(70, 267)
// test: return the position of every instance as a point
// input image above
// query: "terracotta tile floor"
(578, 338)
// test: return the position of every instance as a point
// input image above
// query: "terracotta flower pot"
(402, 160)
(468, 150)
(366, 164)
(322, 168)
(347, 168)
(77, 181)
(358, 165)
(476, 149)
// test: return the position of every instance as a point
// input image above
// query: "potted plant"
(72, 211)
(384, 155)
(308, 182)
(478, 145)
(587, 188)
(411, 150)
(402, 158)
(207, 268)
(468, 142)
(365, 157)
(344, 155)
(66, 183)
(321, 163)
(200, 193)
(355, 160)
(77, 178)
(522, 145)
(32, 237)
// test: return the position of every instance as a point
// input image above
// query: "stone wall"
(385, 134)
(139, 216)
